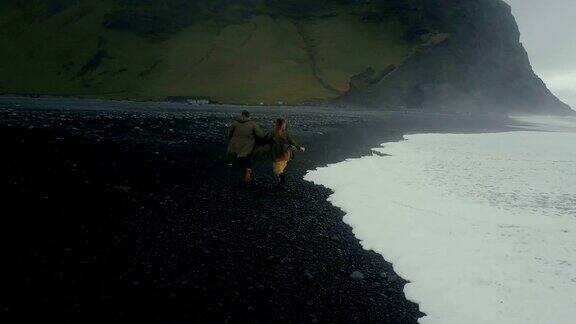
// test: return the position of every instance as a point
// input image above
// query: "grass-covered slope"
(233, 52)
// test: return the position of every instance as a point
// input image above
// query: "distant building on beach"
(198, 101)
(195, 100)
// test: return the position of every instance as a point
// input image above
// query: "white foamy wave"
(548, 123)
(483, 225)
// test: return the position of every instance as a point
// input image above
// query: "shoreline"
(169, 235)
(439, 189)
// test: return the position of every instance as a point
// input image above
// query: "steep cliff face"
(472, 61)
(420, 54)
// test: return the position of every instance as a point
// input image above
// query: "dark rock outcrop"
(473, 61)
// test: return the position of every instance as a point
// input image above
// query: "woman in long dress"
(282, 147)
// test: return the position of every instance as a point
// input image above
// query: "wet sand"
(118, 212)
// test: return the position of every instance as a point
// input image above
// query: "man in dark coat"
(243, 137)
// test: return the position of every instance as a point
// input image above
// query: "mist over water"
(483, 225)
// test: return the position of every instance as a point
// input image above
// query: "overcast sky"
(547, 30)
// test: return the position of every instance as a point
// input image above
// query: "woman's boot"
(247, 175)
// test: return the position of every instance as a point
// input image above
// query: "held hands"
(299, 148)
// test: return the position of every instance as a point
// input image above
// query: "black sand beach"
(119, 212)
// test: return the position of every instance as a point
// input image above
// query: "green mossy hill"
(250, 52)
(448, 55)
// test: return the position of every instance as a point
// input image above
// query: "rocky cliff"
(472, 60)
(390, 54)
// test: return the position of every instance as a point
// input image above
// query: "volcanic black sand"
(121, 212)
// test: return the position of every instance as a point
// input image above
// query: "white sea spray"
(482, 225)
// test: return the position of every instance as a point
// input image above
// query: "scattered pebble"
(121, 189)
(357, 275)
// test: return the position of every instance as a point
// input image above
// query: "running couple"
(247, 141)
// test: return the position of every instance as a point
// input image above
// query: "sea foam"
(482, 225)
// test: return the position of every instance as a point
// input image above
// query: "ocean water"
(482, 225)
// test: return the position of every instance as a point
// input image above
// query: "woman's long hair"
(280, 128)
